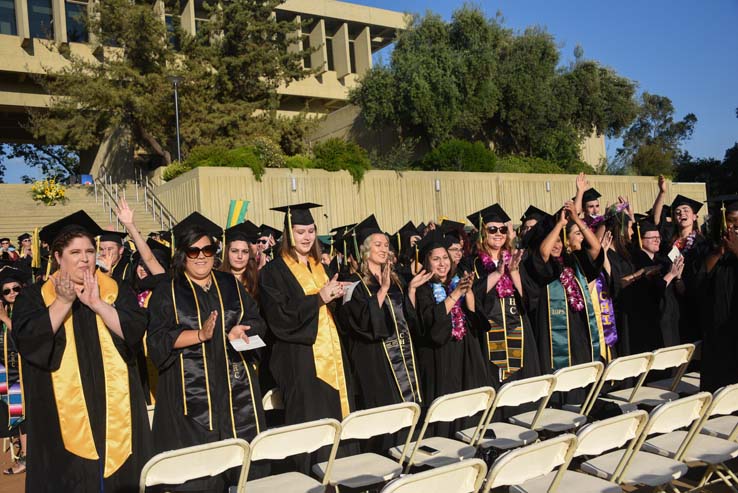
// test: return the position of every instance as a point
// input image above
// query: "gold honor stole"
(327, 347)
(505, 340)
(594, 294)
(69, 397)
(151, 370)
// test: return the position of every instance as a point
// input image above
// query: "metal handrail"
(151, 199)
(112, 200)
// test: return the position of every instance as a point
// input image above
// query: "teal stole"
(558, 321)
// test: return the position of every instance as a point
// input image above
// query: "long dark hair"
(250, 276)
(189, 237)
(286, 249)
(427, 267)
(63, 240)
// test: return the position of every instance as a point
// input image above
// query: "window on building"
(202, 16)
(40, 19)
(76, 21)
(352, 56)
(173, 23)
(306, 48)
(7, 18)
(329, 49)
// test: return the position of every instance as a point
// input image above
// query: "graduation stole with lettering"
(327, 346)
(558, 320)
(398, 348)
(69, 397)
(505, 340)
(193, 360)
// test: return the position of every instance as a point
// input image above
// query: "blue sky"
(682, 49)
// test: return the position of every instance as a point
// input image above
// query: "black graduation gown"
(234, 406)
(50, 467)
(446, 365)
(619, 268)
(292, 319)
(579, 334)
(651, 308)
(490, 308)
(123, 271)
(719, 303)
(380, 347)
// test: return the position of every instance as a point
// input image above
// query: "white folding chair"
(512, 394)
(447, 408)
(515, 467)
(673, 357)
(721, 422)
(460, 477)
(179, 466)
(689, 384)
(360, 471)
(702, 449)
(561, 420)
(272, 400)
(279, 443)
(150, 411)
(618, 370)
(643, 467)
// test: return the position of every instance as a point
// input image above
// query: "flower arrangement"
(48, 191)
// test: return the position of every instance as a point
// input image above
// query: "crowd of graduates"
(199, 322)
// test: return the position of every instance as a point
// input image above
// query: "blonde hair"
(366, 274)
(482, 241)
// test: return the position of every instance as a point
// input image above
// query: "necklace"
(206, 286)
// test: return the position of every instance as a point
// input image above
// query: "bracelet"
(198, 336)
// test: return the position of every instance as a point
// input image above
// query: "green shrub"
(337, 154)
(268, 151)
(522, 164)
(299, 161)
(239, 157)
(207, 155)
(173, 170)
(460, 155)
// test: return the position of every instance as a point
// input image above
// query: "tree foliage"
(475, 79)
(229, 73)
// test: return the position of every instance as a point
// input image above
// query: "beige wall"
(392, 197)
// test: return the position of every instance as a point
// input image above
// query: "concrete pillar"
(21, 20)
(363, 51)
(319, 57)
(59, 14)
(341, 57)
(188, 17)
(160, 10)
(93, 12)
(295, 39)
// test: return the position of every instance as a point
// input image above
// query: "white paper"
(674, 254)
(348, 291)
(255, 342)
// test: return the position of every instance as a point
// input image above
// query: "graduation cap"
(5, 239)
(24, 236)
(533, 212)
(590, 195)
(196, 220)
(421, 229)
(492, 214)
(114, 236)
(682, 200)
(431, 241)
(79, 221)
(13, 274)
(158, 249)
(727, 203)
(642, 227)
(339, 239)
(366, 228)
(266, 230)
(296, 214)
(452, 229)
(246, 231)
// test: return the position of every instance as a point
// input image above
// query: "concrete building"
(346, 34)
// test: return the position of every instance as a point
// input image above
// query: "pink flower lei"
(571, 287)
(504, 287)
(685, 244)
(458, 319)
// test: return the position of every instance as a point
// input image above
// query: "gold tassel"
(223, 249)
(289, 227)
(481, 229)
(35, 250)
(725, 221)
(565, 240)
(399, 244)
(331, 253)
(638, 228)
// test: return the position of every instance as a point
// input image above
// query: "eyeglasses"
(454, 249)
(194, 252)
(658, 238)
(263, 242)
(494, 229)
(14, 289)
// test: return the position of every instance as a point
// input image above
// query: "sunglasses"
(494, 229)
(264, 242)
(14, 289)
(207, 251)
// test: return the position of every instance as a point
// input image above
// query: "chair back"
(578, 376)
(672, 357)
(725, 402)
(532, 461)
(619, 369)
(272, 400)
(460, 404)
(612, 433)
(179, 466)
(465, 476)
(285, 441)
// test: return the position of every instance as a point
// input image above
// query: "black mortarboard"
(196, 220)
(730, 202)
(114, 236)
(432, 240)
(160, 251)
(296, 214)
(421, 229)
(10, 274)
(534, 212)
(340, 237)
(642, 227)
(77, 221)
(24, 236)
(493, 213)
(452, 229)
(266, 230)
(366, 228)
(4, 239)
(590, 195)
(682, 200)
(246, 231)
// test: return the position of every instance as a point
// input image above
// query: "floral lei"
(458, 319)
(593, 222)
(504, 286)
(685, 244)
(571, 287)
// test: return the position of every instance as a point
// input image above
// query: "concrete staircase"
(20, 214)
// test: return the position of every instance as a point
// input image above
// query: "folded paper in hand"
(255, 342)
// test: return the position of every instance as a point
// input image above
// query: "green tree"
(229, 74)
(52, 161)
(656, 129)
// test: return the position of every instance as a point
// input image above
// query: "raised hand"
(677, 267)
(64, 288)
(124, 212)
(606, 241)
(419, 279)
(662, 184)
(730, 241)
(239, 332)
(515, 260)
(386, 278)
(208, 328)
(582, 183)
(331, 290)
(562, 216)
(89, 292)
